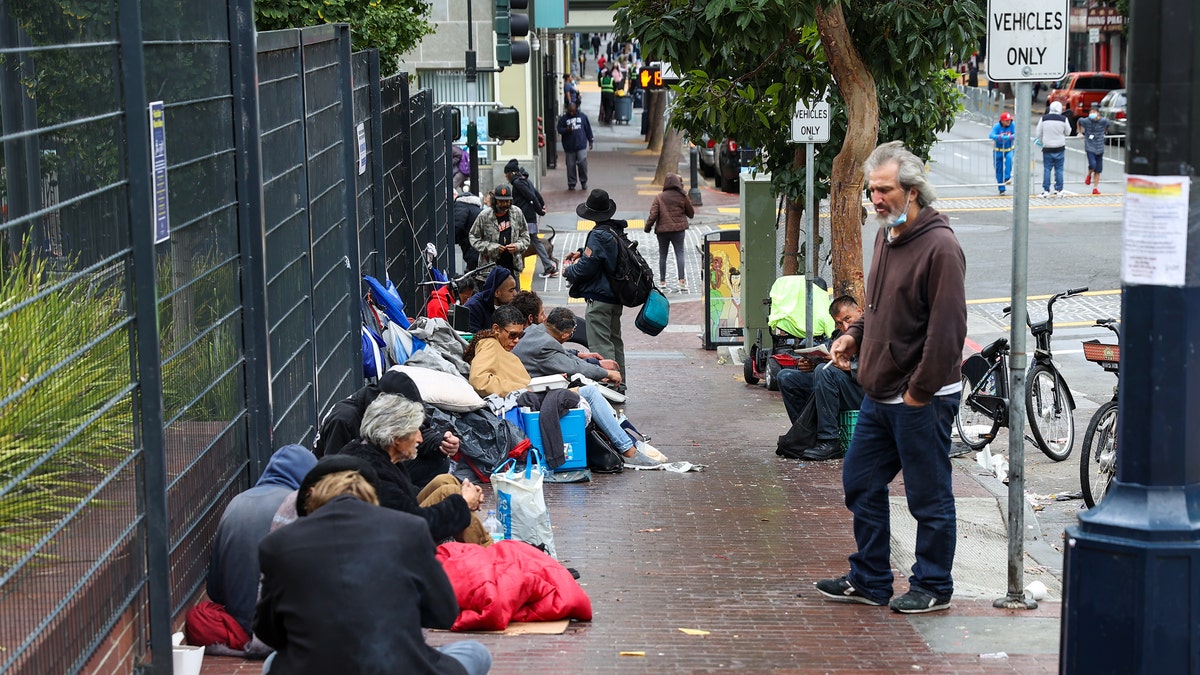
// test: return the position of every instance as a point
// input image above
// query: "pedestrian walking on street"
(1002, 153)
(577, 139)
(588, 270)
(500, 233)
(1051, 134)
(909, 346)
(570, 92)
(669, 216)
(527, 198)
(607, 96)
(1093, 128)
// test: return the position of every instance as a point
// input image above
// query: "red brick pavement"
(733, 550)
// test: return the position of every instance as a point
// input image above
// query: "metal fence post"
(249, 179)
(350, 166)
(379, 269)
(148, 359)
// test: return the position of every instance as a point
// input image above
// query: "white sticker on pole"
(1154, 241)
(810, 122)
(1027, 40)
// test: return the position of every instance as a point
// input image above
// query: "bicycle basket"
(1108, 356)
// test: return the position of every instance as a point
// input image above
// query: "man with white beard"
(909, 345)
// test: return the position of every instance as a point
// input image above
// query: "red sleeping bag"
(510, 581)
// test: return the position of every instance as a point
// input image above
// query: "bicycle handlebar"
(455, 281)
(1075, 291)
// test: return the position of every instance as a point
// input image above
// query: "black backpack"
(632, 279)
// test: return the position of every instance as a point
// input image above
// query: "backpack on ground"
(632, 279)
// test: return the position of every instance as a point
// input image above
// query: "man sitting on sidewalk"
(834, 389)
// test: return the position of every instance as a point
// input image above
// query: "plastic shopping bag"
(521, 506)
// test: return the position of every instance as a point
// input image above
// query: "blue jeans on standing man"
(1003, 160)
(888, 439)
(1053, 159)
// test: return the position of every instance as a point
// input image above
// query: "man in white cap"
(1052, 132)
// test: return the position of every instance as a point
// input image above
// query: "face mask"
(902, 219)
(1094, 116)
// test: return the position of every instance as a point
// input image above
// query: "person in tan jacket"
(670, 213)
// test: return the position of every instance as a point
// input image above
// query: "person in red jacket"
(909, 345)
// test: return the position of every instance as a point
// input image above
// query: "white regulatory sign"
(810, 124)
(1027, 40)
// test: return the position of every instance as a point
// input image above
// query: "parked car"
(1112, 108)
(1077, 92)
(730, 159)
(708, 156)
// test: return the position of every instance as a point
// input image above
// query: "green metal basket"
(846, 423)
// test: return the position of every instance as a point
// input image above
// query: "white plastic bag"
(521, 506)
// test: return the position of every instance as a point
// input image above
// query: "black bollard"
(694, 192)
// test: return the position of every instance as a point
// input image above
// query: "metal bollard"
(694, 162)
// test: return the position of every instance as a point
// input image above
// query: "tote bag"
(655, 314)
(521, 506)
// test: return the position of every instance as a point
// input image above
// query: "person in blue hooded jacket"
(1002, 153)
(499, 289)
(588, 275)
(233, 563)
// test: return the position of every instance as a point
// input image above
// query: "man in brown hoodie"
(909, 346)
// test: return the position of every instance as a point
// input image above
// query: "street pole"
(694, 177)
(810, 253)
(1132, 566)
(1018, 359)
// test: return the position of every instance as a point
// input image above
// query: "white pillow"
(451, 393)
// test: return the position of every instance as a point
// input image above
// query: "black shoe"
(585, 186)
(570, 188)
(916, 602)
(823, 450)
(841, 590)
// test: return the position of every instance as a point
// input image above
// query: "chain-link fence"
(185, 220)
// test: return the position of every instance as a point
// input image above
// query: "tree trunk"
(657, 109)
(668, 158)
(791, 223)
(857, 87)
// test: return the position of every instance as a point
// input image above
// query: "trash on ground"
(994, 655)
(632, 654)
(673, 467)
(996, 465)
(693, 631)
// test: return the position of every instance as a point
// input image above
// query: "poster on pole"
(158, 163)
(1154, 238)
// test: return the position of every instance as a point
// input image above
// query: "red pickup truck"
(1077, 91)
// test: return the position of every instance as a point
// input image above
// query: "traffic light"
(508, 26)
(504, 124)
(651, 78)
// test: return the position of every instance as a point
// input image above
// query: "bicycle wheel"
(975, 429)
(1098, 456)
(1049, 411)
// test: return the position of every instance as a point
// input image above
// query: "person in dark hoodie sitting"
(233, 562)
(499, 289)
(390, 435)
(341, 424)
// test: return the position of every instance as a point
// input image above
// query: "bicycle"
(1098, 456)
(983, 407)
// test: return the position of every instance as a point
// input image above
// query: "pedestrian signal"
(650, 78)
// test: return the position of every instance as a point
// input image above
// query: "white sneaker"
(651, 452)
(1045, 195)
(683, 287)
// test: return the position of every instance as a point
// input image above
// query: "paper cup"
(187, 659)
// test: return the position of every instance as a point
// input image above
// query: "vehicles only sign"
(1027, 40)
(810, 123)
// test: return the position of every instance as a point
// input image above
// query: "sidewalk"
(734, 550)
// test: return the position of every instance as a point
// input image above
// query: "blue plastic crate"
(574, 430)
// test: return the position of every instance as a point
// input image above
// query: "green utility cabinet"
(758, 237)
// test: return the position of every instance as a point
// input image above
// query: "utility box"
(759, 264)
(504, 124)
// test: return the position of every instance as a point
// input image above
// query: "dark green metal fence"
(148, 379)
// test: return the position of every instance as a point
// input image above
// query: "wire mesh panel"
(198, 271)
(397, 184)
(72, 549)
(370, 180)
(331, 147)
